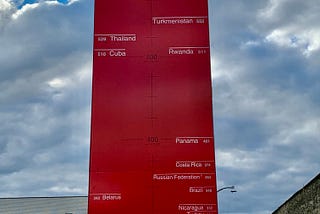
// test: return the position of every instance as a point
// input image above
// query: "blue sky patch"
(63, 1)
(35, 1)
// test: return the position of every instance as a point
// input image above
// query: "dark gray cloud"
(45, 98)
(266, 84)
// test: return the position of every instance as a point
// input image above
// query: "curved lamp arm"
(223, 188)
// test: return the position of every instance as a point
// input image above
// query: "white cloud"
(51, 180)
(67, 190)
(237, 159)
(5, 5)
(305, 129)
(7, 8)
(57, 83)
(292, 24)
(24, 9)
(270, 11)
(306, 40)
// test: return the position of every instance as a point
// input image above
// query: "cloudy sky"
(266, 75)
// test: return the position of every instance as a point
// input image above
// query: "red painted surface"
(152, 145)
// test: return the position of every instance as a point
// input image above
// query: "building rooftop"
(47, 205)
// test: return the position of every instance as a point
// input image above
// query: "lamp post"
(228, 187)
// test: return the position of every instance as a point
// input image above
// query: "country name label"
(179, 20)
(102, 38)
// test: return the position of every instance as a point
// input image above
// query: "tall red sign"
(152, 146)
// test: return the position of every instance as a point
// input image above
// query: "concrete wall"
(305, 201)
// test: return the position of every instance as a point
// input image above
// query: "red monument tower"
(152, 145)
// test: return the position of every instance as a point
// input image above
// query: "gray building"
(44, 205)
(305, 201)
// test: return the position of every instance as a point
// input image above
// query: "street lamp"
(228, 187)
